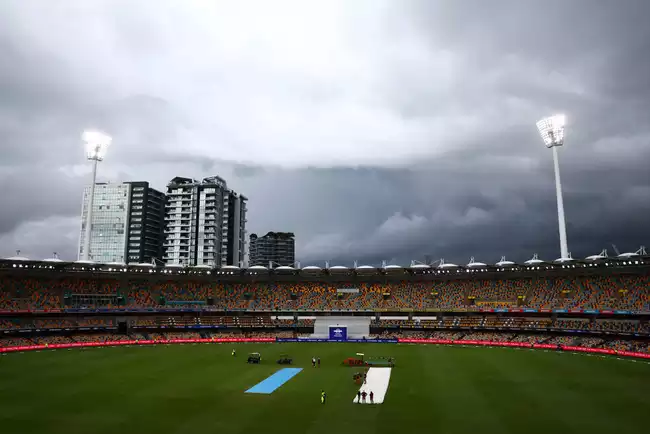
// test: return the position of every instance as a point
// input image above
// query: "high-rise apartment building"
(146, 224)
(127, 223)
(277, 248)
(205, 223)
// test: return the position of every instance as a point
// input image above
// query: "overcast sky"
(373, 129)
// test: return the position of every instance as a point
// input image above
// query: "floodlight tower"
(552, 131)
(96, 145)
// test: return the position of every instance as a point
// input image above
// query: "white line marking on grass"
(377, 380)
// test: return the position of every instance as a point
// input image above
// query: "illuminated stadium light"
(552, 131)
(96, 144)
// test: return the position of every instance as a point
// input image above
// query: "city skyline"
(135, 223)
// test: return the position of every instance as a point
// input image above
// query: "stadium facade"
(278, 248)
(127, 223)
(205, 223)
(597, 304)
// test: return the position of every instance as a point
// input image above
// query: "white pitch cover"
(377, 380)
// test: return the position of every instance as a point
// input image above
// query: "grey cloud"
(35, 193)
(448, 96)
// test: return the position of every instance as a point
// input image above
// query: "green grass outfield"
(199, 389)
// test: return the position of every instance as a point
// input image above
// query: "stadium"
(206, 173)
(530, 347)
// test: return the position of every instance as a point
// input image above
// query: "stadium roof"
(505, 263)
(336, 268)
(284, 268)
(534, 264)
(599, 257)
(446, 265)
(17, 258)
(311, 268)
(258, 268)
(393, 267)
(474, 264)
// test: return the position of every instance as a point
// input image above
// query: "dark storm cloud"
(408, 132)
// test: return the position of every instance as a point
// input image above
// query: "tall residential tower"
(127, 223)
(205, 223)
(277, 248)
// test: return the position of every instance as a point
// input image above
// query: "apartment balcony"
(175, 223)
(183, 245)
(178, 223)
(182, 205)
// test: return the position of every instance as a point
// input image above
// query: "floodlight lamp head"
(96, 144)
(552, 130)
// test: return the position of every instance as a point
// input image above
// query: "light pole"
(96, 144)
(552, 131)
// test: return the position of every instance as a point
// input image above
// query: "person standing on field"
(372, 397)
(322, 397)
(359, 397)
(319, 362)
